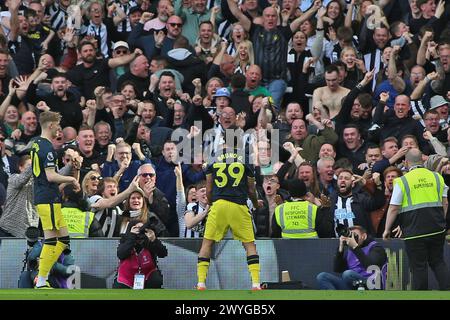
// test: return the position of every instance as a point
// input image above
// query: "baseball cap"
(437, 101)
(297, 188)
(222, 92)
(119, 44)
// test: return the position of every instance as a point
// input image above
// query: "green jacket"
(312, 143)
(259, 90)
(191, 20)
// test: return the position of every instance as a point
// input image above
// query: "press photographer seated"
(59, 272)
(138, 251)
(357, 253)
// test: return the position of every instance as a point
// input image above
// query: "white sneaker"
(201, 287)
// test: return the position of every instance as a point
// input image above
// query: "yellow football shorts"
(51, 216)
(224, 215)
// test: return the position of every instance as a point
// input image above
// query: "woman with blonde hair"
(355, 67)
(244, 57)
(11, 119)
(90, 183)
(9, 113)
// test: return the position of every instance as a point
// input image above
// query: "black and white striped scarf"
(372, 60)
(343, 213)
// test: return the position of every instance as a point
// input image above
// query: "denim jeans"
(277, 89)
(328, 281)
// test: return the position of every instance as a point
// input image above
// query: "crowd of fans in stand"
(350, 85)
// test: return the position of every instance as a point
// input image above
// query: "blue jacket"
(139, 38)
(166, 179)
(110, 169)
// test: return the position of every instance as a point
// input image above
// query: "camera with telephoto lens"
(32, 236)
(359, 284)
(344, 231)
(141, 235)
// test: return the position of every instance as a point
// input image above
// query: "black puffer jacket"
(161, 208)
(392, 126)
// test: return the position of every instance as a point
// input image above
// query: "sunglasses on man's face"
(121, 51)
(146, 175)
(173, 24)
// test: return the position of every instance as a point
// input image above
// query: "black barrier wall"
(304, 259)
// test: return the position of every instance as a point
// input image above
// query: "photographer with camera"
(59, 272)
(356, 253)
(138, 251)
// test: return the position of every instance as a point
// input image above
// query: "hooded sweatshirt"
(189, 65)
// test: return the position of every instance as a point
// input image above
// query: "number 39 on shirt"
(233, 171)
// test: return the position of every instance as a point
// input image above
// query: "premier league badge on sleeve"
(50, 156)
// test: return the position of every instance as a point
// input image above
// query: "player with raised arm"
(229, 183)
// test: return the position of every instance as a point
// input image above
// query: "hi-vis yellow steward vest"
(78, 222)
(421, 213)
(297, 219)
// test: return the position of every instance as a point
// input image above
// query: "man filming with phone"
(358, 256)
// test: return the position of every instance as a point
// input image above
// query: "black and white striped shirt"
(100, 33)
(419, 109)
(125, 25)
(106, 217)
(224, 28)
(231, 50)
(58, 16)
(198, 230)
